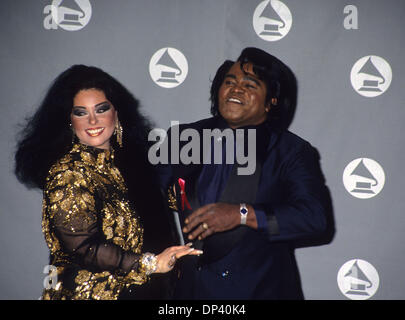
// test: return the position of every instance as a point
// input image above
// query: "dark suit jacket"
(291, 204)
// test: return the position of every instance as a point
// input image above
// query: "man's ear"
(270, 104)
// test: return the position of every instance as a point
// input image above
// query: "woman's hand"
(167, 259)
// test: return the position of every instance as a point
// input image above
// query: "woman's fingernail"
(189, 244)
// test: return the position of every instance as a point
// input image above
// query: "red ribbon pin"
(182, 185)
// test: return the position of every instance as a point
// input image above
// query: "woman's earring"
(118, 131)
(73, 133)
(274, 101)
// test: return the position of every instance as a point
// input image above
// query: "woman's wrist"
(148, 263)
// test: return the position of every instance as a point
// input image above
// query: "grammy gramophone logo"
(168, 67)
(272, 20)
(363, 178)
(70, 15)
(371, 76)
(358, 279)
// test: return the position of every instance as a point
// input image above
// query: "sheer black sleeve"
(75, 226)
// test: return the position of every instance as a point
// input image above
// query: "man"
(247, 225)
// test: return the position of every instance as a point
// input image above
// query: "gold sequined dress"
(94, 236)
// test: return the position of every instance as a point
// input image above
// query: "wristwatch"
(243, 213)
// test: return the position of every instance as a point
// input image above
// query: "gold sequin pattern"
(171, 200)
(84, 188)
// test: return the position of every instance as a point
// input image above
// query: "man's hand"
(212, 218)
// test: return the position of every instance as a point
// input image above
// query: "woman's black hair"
(47, 136)
(279, 80)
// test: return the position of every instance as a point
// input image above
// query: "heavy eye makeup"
(79, 111)
(82, 111)
(101, 108)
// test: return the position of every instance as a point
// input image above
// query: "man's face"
(242, 96)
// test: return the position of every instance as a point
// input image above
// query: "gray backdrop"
(347, 57)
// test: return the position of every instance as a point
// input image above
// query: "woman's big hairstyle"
(47, 135)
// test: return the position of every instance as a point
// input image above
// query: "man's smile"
(235, 100)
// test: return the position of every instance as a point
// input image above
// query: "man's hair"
(279, 80)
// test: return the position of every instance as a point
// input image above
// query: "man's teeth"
(235, 100)
(95, 131)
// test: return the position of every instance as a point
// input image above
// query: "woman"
(86, 148)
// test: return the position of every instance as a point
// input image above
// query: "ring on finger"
(205, 226)
(172, 261)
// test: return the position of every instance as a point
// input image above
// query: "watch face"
(243, 209)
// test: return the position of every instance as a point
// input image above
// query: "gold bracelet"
(148, 263)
